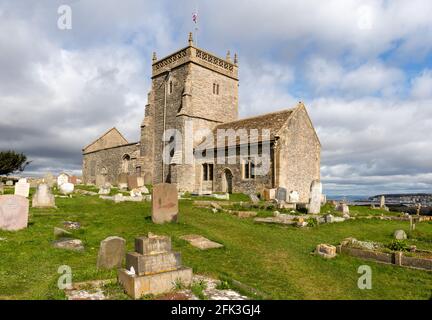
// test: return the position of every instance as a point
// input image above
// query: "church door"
(227, 181)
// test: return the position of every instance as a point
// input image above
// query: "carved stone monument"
(153, 268)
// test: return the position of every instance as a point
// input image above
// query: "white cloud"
(422, 85)
(59, 90)
(370, 78)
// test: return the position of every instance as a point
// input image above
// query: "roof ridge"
(259, 116)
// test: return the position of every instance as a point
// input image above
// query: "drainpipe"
(164, 122)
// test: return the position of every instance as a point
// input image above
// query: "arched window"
(125, 163)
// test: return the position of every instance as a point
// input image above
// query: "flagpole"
(196, 24)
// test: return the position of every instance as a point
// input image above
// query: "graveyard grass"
(275, 260)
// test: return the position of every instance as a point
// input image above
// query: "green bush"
(397, 245)
(312, 222)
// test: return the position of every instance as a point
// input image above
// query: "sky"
(362, 68)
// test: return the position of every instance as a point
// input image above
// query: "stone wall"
(298, 155)
(107, 161)
(239, 184)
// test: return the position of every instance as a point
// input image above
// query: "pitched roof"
(273, 122)
(111, 138)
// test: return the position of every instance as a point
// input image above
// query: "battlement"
(192, 54)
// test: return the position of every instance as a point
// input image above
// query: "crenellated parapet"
(192, 54)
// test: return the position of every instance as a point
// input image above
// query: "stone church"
(195, 90)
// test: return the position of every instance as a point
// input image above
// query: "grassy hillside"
(273, 259)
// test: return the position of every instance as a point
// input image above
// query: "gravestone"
(49, 179)
(140, 182)
(62, 178)
(132, 182)
(269, 194)
(164, 203)
(67, 188)
(281, 194)
(326, 250)
(148, 178)
(143, 189)
(153, 268)
(69, 244)
(9, 183)
(135, 193)
(111, 253)
(400, 235)
(294, 197)
(105, 189)
(100, 180)
(201, 242)
(13, 212)
(342, 207)
(122, 180)
(43, 198)
(254, 198)
(382, 202)
(22, 188)
(315, 197)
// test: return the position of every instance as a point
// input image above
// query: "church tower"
(190, 86)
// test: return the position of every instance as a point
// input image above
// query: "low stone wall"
(396, 258)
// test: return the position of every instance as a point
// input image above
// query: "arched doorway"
(125, 163)
(227, 181)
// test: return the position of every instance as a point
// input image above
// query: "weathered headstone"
(62, 178)
(326, 250)
(269, 194)
(164, 203)
(153, 268)
(105, 189)
(69, 244)
(61, 233)
(67, 188)
(382, 202)
(43, 198)
(281, 194)
(140, 182)
(122, 181)
(329, 218)
(294, 197)
(22, 188)
(342, 207)
(135, 193)
(400, 235)
(100, 180)
(13, 212)
(144, 190)
(132, 182)
(201, 242)
(254, 198)
(315, 197)
(111, 253)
